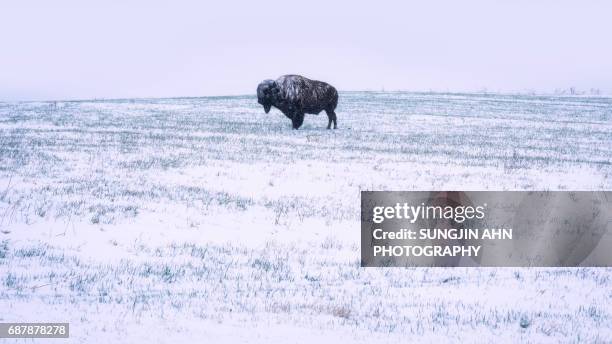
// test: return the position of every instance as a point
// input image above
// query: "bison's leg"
(297, 120)
(331, 116)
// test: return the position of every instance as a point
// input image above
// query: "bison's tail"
(334, 99)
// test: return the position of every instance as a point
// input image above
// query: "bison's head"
(267, 92)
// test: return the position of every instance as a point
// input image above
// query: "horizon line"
(526, 92)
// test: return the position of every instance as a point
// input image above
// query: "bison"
(295, 96)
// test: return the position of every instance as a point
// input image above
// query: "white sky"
(116, 49)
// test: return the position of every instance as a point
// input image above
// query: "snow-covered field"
(206, 220)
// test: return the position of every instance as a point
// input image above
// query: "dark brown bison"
(295, 96)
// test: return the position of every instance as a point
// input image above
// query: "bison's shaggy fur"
(295, 96)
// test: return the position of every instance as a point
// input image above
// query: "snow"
(204, 219)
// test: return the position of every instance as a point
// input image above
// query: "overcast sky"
(117, 49)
